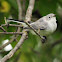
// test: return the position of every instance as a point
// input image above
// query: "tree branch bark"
(19, 10)
(10, 41)
(29, 13)
(29, 10)
(11, 53)
(2, 28)
(11, 33)
(13, 25)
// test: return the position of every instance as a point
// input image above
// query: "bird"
(46, 25)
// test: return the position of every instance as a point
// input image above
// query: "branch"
(11, 33)
(19, 10)
(20, 14)
(24, 7)
(34, 30)
(29, 15)
(11, 53)
(2, 28)
(14, 25)
(29, 10)
(10, 41)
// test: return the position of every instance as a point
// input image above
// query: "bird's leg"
(45, 39)
(39, 30)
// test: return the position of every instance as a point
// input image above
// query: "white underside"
(52, 25)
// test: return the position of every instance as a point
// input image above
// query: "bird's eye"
(49, 17)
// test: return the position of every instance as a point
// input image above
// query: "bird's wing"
(39, 24)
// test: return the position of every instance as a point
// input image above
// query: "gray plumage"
(46, 24)
(39, 24)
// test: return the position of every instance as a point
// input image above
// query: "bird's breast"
(51, 27)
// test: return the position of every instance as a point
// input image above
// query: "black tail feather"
(16, 20)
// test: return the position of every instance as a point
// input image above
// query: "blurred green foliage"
(32, 50)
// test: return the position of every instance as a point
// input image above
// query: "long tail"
(13, 20)
(17, 21)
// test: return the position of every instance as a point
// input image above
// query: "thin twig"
(19, 10)
(2, 28)
(24, 7)
(29, 10)
(34, 30)
(29, 15)
(2, 52)
(10, 41)
(11, 33)
(20, 18)
(11, 53)
(20, 14)
(5, 20)
(14, 25)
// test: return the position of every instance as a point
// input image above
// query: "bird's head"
(50, 17)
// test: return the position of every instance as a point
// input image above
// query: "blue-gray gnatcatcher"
(46, 24)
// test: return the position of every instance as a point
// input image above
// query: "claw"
(43, 40)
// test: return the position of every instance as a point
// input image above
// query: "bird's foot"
(43, 40)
